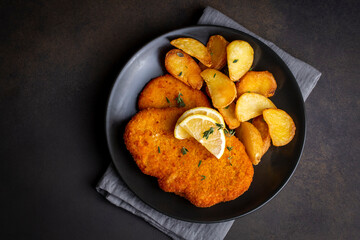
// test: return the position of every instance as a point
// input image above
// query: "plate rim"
(129, 62)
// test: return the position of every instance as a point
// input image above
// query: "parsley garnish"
(180, 54)
(214, 75)
(248, 91)
(250, 69)
(230, 157)
(199, 163)
(180, 74)
(180, 101)
(203, 177)
(230, 132)
(235, 61)
(227, 107)
(211, 53)
(207, 133)
(184, 150)
(158, 149)
(219, 125)
(167, 100)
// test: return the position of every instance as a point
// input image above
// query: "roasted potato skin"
(194, 48)
(251, 105)
(263, 128)
(240, 56)
(229, 116)
(183, 67)
(262, 82)
(217, 48)
(251, 138)
(281, 126)
(221, 89)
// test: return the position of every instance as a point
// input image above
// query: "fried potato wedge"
(221, 89)
(250, 105)
(240, 57)
(217, 48)
(229, 116)
(251, 138)
(281, 126)
(193, 48)
(263, 128)
(183, 67)
(258, 82)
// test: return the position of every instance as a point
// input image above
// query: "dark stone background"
(58, 60)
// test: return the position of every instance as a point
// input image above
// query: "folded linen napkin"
(115, 190)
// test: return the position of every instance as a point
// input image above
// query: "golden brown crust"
(158, 89)
(262, 82)
(204, 183)
(263, 128)
(229, 116)
(217, 48)
(184, 68)
(281, 126)
(194, 48)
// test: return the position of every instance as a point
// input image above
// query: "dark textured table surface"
(58, 60)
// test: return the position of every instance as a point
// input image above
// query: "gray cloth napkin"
(115, 190)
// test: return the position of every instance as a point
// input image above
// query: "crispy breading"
(162, 92)
(197, 175)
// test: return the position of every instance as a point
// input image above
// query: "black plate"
(271, 174)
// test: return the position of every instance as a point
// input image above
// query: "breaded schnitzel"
(194, 174)
(162, 92)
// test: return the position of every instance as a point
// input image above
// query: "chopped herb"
(207, 133)
(227, 107)
(248, 91)
(184, 150)
(250, 69)
(214, 75)
(158, 149)
(219, 125)
(230, 157)
(229, 148)
(167, 100)
(211, 53)
(199, 163)
(231, 132)
(235, 61)
(203, 177)
(180, 74)
(180, 101)
(180, 54)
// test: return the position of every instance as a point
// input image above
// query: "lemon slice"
(180, 133)
(205, 131)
